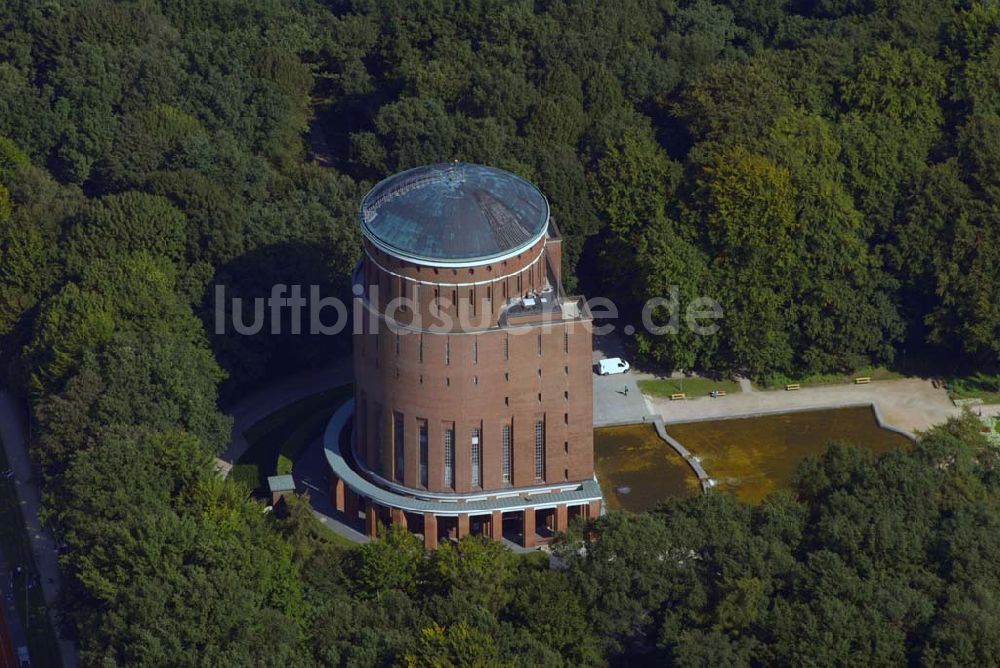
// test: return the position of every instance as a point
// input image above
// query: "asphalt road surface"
(7, 658)
(43, 548)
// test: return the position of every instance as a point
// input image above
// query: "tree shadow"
(252, 359)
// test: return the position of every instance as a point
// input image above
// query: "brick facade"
(453, 362)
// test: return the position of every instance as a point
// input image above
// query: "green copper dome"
(454, 213)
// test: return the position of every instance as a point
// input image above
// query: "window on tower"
(539, 450)
(449, 457)
(507, 456)
(423, 452)
(477, 459)
(397, 445)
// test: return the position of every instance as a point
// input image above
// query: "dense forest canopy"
(829, 170)
(825, 170)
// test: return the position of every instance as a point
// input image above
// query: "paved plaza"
(617, 399)
(909, 404)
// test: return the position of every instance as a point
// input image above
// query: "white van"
(612, 365)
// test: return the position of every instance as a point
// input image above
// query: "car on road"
(612, 365)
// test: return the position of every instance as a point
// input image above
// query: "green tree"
(905, 85)
(4, 205)
(391, 563)
(417, 131)
(134, 293)
(697, 648)
(895, 118)
(119, 225)
(946, 264)
(844, 301)
(12, 158)
(750, 222)
(731, 104)
(561, 176)
(544, 603)
(149, 140)
(453, 646)
(622, 579)
(179, 568)
(480, 568)
(646, 255)
(29, 244)
(634, 182)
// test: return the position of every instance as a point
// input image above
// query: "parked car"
(612, 365)
(23, 659)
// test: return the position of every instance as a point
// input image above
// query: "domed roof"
(454, 213)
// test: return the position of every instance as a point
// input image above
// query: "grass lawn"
(987, 397)
(778, 381)
(292, 412)
(340, 541)
(285, 432)
(978, 386)
(692, 387)
(282, 435)
(16, 547)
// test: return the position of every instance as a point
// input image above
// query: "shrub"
(285, 465)
(247, 475)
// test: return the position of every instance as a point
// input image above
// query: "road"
(12, 632)
(43, 547)
(245, 412)
(7, 656)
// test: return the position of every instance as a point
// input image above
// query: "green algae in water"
(748, 457)
(634, 456)
(752, 457)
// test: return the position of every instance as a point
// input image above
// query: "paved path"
(252, 408)
(989, 409)
(7, 656)
(43, 547)
(909, 404)
(310, 478)
(613, 404)
(12, 632)
(310, 470)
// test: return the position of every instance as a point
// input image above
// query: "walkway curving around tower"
(363, 502)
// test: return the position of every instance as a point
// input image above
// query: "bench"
(677, 397)
(862, 381)
(792, 386)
